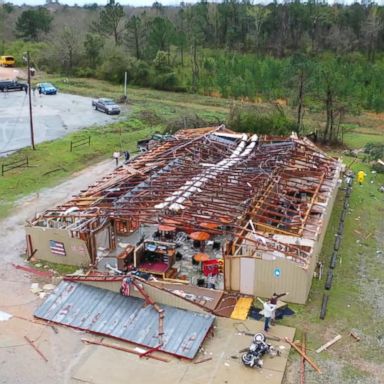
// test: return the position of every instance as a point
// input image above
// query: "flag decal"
(57, 248)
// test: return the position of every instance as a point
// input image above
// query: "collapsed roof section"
(268, 193)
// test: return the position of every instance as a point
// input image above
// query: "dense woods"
(310, 54)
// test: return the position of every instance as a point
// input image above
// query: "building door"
(247, 275)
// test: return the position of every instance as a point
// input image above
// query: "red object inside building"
(210, 267)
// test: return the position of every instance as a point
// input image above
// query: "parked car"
(7, 61)
(47, 88)
(12, 85)
(106, 105)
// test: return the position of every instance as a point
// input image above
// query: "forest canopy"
(312, 54)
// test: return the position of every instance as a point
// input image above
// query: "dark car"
(106, 105)
(12, 85)
(47, 88)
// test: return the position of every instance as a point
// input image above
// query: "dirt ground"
(101, 365)
(69, 360)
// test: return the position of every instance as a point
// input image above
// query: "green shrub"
(165, 81)
(84, 72)
(374, 151)
(250, 119)
(140, 72)
(379, 168)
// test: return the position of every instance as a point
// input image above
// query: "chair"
(196, 244)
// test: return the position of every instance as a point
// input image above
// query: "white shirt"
(268, 309)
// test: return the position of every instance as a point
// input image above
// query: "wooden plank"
(327, 345)
(302, 364)
(30, 342)
(33, 270)
(313, 365)
(203, 360)
(355, 336)
(88, 341)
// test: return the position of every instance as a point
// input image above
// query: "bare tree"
(111, 21)
(69, 46)
(134, 34)
(371, 29)
(258, 14)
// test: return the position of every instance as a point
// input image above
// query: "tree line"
(314, 54)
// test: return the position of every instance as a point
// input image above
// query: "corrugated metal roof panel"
(110, 314)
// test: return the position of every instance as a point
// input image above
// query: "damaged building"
(237, 212)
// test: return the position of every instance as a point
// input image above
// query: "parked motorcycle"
(258, 348)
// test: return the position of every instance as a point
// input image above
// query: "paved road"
(54, 116)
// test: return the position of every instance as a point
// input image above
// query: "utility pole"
(30, 102)
(125, 86)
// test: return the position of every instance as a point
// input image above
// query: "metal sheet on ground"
(108, 313)
(100, 365)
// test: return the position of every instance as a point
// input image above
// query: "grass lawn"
(355, 301)
(52, 161)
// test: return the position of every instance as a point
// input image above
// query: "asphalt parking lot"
(54, 116)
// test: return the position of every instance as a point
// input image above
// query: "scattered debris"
(31, 343)
(302, 363)
(327, 345)
(354, 335)
(78, 272)
(48, 287)
(113, 346)
(304, 355)
(35, 288)
(204, 360)
(33, 270)
(4, 316)
(140, 350)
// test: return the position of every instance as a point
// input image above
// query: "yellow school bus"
(7, 61)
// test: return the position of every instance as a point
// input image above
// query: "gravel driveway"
(54, 116)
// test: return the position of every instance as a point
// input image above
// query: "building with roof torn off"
(251, 211)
